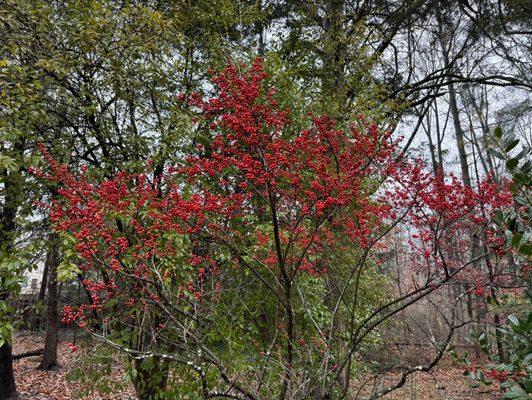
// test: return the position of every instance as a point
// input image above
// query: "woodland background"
(113, 86)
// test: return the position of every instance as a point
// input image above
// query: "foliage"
(94, 370)
(514, 373)
(11, 280)
(516, 222)
(228, 264)
(95, 82)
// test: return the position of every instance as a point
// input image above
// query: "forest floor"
(33, 384)
(444, 382)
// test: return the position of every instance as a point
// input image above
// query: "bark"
(340, 326)
(42, 290)
(496, 316)
(446, 46)
(49, 359)
(151, 377)
(13, 198)
(7, 382)
(334, 93)
(459, 133)
(334, 58)
(432, 148)
(32, 353)
(36, 315)
(8, 388)
(498, 337)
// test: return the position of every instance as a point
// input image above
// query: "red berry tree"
(226, 266)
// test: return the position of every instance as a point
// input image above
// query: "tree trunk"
(42, 290)
(151, 377)
(8, 225)
(334, 96)
(334, 59)
(37, 313)
(459, 133)
(446, 46)
(7, 380)
(49, 359)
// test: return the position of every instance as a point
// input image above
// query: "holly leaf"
(516, 393)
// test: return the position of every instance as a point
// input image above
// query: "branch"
(420, 368)
(32, 353)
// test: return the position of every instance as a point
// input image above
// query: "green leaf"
(516, 393)
(526, 249)
(495, 153)
(509, 139)
(522, 153)
(498, 132)
(67, 271)
(517, 239)
(491, 301)
(512, 163)
(8, 163)
(511, 145)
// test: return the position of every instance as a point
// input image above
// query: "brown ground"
(53, 385)
(445, 382)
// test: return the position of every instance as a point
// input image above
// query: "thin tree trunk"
(496, 316)
(151, 377)
(446, 46)
(498, 338)
(460, 144)
(49, 359)
(37, 315)
(432, 147)
(42, 290)
(459, 133)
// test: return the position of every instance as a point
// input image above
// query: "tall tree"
(53, 258)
